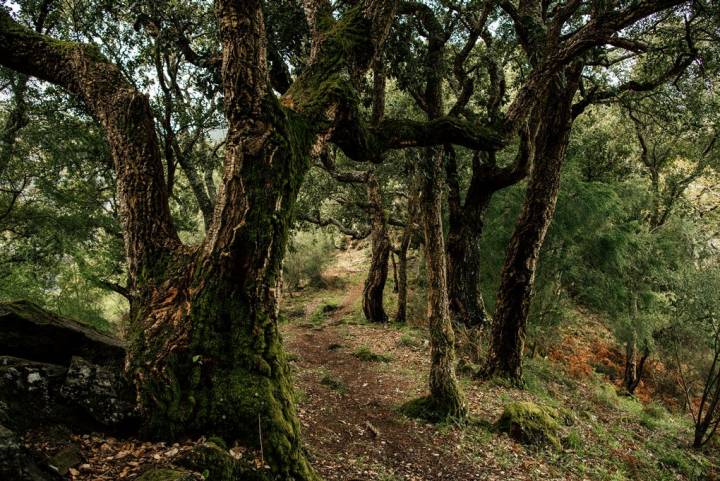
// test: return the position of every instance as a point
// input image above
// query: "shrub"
(307, 256)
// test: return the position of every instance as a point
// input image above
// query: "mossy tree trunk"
(445, 393)
(205, 352)
(553, 120)
(374, 288)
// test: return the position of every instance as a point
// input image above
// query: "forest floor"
(351, 378)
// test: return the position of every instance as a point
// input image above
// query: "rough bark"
(445, 393)
(377, 274)
(463, 249)
(634, 365)
(402, 254)
(515, 293)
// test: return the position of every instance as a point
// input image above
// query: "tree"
(551, 125)
(205, 354)
(694, 344)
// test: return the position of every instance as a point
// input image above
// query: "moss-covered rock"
(217, 464)
(531, 424)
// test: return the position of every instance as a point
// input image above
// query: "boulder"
(100, 390)
(531, 424)
(27, 331)
(84, 396)
(30, 395)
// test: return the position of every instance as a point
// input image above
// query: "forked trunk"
(205, 351)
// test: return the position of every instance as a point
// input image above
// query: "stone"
(65, 459)
(100, 390)
(531, 424)
(16, 463)
(30, 395)
(27, 331)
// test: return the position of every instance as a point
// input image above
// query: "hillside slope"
(352, 378)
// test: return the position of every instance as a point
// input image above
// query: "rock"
(531, 424)
(30, 332)
(30, 395)
(100, 390)
(161, 474)
(16, 463)
(65, 459)
(84, 396)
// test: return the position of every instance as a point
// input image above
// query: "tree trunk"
(207, 358)
(395, 271)
(445, 393)
(377, 274)
(402, 253)
(630, 379)
(463, 248)
(554, 119)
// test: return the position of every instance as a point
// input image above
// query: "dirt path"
(348, 407)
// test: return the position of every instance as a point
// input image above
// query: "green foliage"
(308, 254)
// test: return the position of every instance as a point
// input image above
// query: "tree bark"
(402, 252)
(445, 393)
(463, 249)
(554, 121)
(377, 274)
(634, 367)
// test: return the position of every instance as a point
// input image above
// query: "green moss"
(409, 340)
(606, 394)
(155, 474)
(218, 465)
(365, 354)
(531, 424)
(334, 384)
(426, 409)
